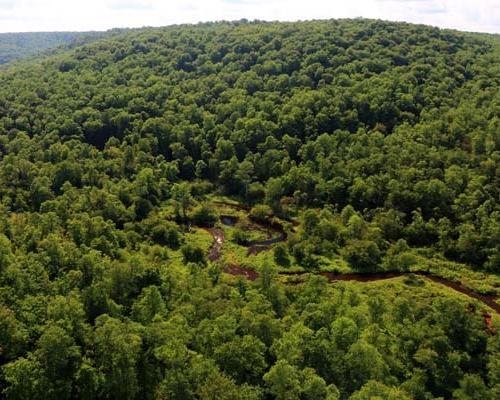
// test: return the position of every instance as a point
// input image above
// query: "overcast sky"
(78, 15)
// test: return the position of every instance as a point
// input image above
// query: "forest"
(251, 210)
(19, 45)
(14, 46)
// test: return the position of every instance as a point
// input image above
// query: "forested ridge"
(14, 46)
(19, 45)
(369, 145)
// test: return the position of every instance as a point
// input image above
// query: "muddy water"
(235, 270)
(228, 220)
(274, 231)
(214, 252)
(489, 300)
(256, 247)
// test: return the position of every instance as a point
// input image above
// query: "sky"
(84, 15)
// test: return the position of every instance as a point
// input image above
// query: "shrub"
(204, 215)
(362, 254)
(240, 237)
(193, 254)
(281, 256)
(166, 235)
(261, 213)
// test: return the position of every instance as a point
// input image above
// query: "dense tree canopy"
(375, 145)
(18, 45)
(15, 46)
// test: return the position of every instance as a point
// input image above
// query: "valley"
(251, 210)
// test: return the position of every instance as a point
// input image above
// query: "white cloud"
(7, 4)
(404, 1)
(129, 5)
(47, 15)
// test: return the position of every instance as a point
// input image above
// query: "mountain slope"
(347, 146)
(18, 45)
(366, 113)
(15, 46)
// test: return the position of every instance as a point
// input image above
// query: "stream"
(257, 246)
(489, 300)
(214, 252)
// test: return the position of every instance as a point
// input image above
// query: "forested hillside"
(15, 46)
(185, 211)
(18, 45)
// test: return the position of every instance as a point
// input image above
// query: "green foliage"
(283, 380)
(243, 359)
(166, 234)
(117, 354)
(240, 236)
(193, 254)
(376, 390)
(261, 213)
(399, 257)
(362, 254)
(149, 305)
(281, 256)
(5, 252)
(374, 145)
(203, 215)
(363, 363)
(13, 335)
(471, 387)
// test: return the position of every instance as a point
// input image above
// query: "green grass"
(394, 287)
(478, 281)
(233, 253)
(197, 236)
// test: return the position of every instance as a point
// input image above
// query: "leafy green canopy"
(15, 46)
(376, 115)
(388, 132)
(18, 45)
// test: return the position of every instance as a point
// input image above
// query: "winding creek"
(214, 252)
(254, 247)
(274, 231)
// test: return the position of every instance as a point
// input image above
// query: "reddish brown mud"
(214, 252)
(256, 247)
(489, 300)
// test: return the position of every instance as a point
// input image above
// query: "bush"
(193, 254)
(256, 192)
(304, 254)
(399, 257)
(200, 188)
(240, 237)
(166, 235)
(204, 215)
(261, 213)
(362, 254)
(281, 256)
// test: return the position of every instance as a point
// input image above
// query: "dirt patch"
(254, 250)
(236, 270)
(489, 300)
(377, 276)
(214, 252)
